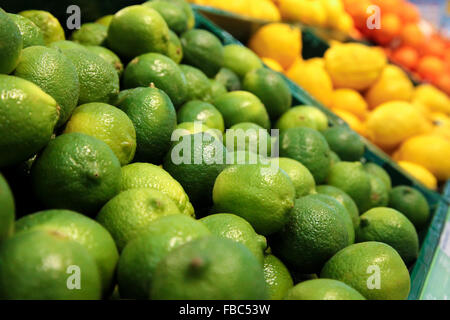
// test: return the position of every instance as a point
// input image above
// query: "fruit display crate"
(439, 203)
(313, 46)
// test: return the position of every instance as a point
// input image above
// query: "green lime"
(11, 43)
(173, 14)
(195, 162)
(99, 81)
(105, 20)
(154, 118)
(175, 50)
(160, 70)
(106, 123)
(344, 199)
(378, 171)
(216, 89)
(47, 265)
(188, 128)
(108, 56)
(30, 116)
(391, 227)
(237, 229)
(411, 203)
(243, 157)
(83, 230)
(31, 34)
(209, 268)
(146, 175)
(76, 172)
(196, 110)
(93, 34)
(351, 178)
(250, 137)
(229, 79)
(240, 59)
(242, 106)
(334, 158)
(141, 255)
(309, 147)
(374, 269)
(300, 176)
(323, 289)
(49, 25)
(313, 233)
(197, 84)
(203, 50)
(379, 194)
(54, 73)
(63, 45)
(7, 213)
(303, 116)
(278, 278)
(271, 89)
(345, 142)
(183, 4)
(132, 211)
(261, 194)
(136, 30)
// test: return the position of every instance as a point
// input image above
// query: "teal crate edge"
(429, 246)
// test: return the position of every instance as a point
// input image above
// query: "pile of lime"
(141, 152)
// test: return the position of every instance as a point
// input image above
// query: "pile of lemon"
(319, 13)
(377, 99)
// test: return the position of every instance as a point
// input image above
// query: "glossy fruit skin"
(131, 212)
(379, 193)
(242, 106)
(26, 274)
(196, 110)
(262, 195)
(76, 172)
(106, 123)
(108, 56)
(378, 171)
(278, 278)
(303, 116)
(237, 229)
(24, 133)
(391, 227)
(55, 74)
(197, 177)
(411, 203)
(309, 147)
(11, 42)
(173, 14)
(203, 50)
(99, 81)
(136, 30)
(160, 70)
(229, 79)
(141, 256)
(197, 271)
(175, 49)
(301, 177)
(323, 289)
(83, 230)
(31, 34)
(350, 266)
(346, 143)
(198, 86)
(147, 175)
(7, 213)
(271, 89)
(154, 119)
(249, 137)
(313, 233)
(240, 59)
(49, 25)
(93, 34)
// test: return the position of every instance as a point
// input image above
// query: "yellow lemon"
(314, 79)
(393, 84)
(354, 65)
(278, 41)
(393, 122)
(350, 100)
(431, 151)
(433, 98)
(264, 10)
(272, 64)
(345, 23)
(352, 121)
(420, 173)
(334, 9)
(306, 11)
(320, 62)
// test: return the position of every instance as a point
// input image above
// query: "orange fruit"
(430, 67)
(389, 6)
(412, 36)
(435, 47)
(391, 26)
(358, 10)
(406, 56)
(443, 82)
(409, 13)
